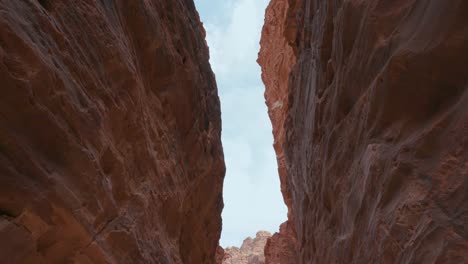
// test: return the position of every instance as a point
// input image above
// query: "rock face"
(110, 126)
(251, 251)
(281, 248)
(369, 104)
(219, 255)
(277, 58)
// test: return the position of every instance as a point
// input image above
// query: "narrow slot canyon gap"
(110, 131)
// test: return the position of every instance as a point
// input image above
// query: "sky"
(252, 196)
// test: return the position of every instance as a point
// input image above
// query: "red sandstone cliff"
(281, 248)
(369, 104)
(277, 58)
(110, 126)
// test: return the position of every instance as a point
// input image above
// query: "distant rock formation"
(369, 105)
(251, 251)
(110, 147)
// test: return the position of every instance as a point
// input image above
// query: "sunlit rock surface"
(369, 104)
(251, 251)
(110, 126)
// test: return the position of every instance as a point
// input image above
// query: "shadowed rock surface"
(281, 248)
(251, 251)
(110, 126)
(369, 105)
(219, 255)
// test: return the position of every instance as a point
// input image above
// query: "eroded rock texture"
(251, 251)
(281, 248)
(110, 145)
(369, 104)
(219, 255)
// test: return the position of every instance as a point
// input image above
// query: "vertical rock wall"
(281, 248)
(110, 126)
(369, 104)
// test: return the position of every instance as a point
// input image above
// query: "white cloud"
(235, 44)
(252, 194)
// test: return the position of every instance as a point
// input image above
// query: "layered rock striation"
(369, 105)
(110, 146)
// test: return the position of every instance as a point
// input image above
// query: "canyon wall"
(369, 105)
(281, 248)
(110, 125)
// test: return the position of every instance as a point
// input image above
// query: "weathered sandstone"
(219, 255)
(251, 251)
(110, 126)
(369, 104)
(281, 248)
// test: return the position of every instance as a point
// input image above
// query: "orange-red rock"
(281, 248)
(219, 255)
(275, 72)
(369, 104)
(110, 126)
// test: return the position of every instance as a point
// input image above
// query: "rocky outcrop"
(219, 255)
(110, 126)
(277, 58)
(251, 251)
(369, 104)
(281, 248)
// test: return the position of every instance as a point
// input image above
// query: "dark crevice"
(7, 214)
(45, 4)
